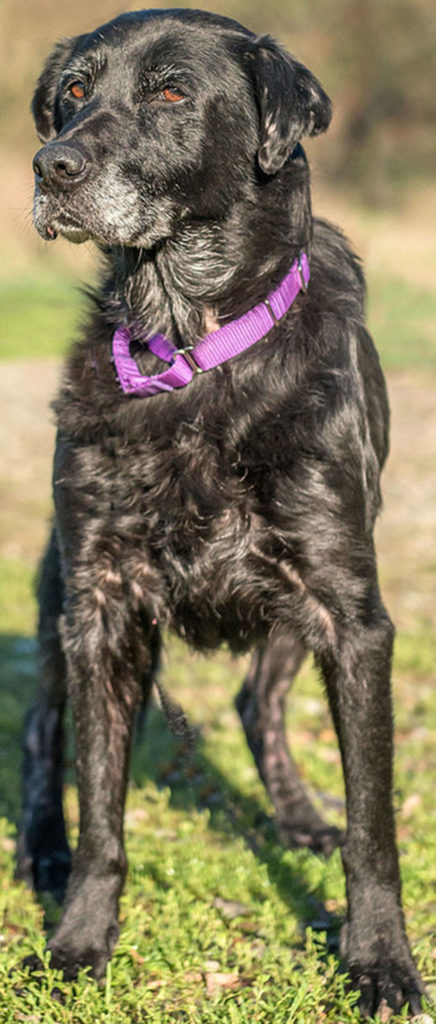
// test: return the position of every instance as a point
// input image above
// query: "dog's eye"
(77, 89)
(171, 95)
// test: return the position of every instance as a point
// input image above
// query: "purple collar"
(215, 348)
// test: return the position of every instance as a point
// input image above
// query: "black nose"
(61, 166)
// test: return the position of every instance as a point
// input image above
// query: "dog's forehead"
(156, 36)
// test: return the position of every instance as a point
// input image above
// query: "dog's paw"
(377, 956)
(321, 840)
(82, 949)
(386, 988)
(71, 961)
(69, 957)
(33, 964)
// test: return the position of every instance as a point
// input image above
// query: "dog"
(222, 425)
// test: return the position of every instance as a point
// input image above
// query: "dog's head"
(161, 117)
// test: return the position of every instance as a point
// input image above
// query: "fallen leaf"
(327, 736)
(231, 908)
(249, 927)
(329, 755)
(193, 976)
(384, 1011)
(165, 833)
(135, 815)
(332, 906)
(410, 805)
(303, 736)
(257, 948)
(8, 844)
(214, 982)
(154, 983)
(136, 956)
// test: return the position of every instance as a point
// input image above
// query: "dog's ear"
(43, 103)
(291, 101)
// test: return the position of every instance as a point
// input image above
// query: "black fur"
(239, 509)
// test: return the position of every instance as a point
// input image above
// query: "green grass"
(402, 318)
(17, 605)
(38, 316)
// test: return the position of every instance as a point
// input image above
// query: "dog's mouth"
(103, 210)
(70, 231)
(65, 227)
(51, 221)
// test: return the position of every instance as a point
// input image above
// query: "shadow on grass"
(194, 782)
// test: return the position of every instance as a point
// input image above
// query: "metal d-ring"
(268, 305)
(186, 353)
(304, 284)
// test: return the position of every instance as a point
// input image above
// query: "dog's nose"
(60, 166)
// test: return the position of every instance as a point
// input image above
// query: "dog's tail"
(177, 720)
(174, 713)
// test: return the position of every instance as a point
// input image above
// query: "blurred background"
(373, 174)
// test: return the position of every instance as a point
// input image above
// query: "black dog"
(234, 507)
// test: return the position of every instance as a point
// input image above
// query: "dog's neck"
(211, 272)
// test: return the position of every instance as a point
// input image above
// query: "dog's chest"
(218, 573)
(197, 521)
(187, 507)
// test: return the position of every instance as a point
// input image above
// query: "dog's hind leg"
(261, 706)
(43, 855)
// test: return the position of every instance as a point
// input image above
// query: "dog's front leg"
(110, 649)
(374, 942)
(43, 854)
(106, 659)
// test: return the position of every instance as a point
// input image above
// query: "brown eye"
(172, 96)
(77, 89)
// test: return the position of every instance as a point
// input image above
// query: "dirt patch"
(405, 533)
(26, 444)
(400, 242)
(407, 527)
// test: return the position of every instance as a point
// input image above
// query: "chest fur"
(194, 520)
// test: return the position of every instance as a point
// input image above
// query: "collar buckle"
(186, 353)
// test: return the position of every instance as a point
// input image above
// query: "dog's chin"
(52, 221)
(50, 228)
(74, 234)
